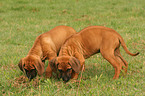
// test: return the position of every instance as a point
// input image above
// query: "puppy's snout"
(31, 74)
(65, 79)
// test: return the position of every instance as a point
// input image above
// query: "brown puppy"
(89, 41)
(46, 46)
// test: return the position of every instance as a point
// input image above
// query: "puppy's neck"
(66, 51)
(70, 49)
(33, 56)
(35, 51)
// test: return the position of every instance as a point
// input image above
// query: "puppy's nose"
(65, 79)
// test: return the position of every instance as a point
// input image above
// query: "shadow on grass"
(97, 70)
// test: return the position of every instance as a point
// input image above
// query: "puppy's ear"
(75, 64)
(53, 63)
(39, 65)
(21, 65)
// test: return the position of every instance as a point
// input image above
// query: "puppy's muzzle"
(31, 74)
(65, 79)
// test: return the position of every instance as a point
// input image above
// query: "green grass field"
(21, 21)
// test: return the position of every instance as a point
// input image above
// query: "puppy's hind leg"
(108, 54)
(124, 64)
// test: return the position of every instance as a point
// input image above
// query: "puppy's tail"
(125, 47)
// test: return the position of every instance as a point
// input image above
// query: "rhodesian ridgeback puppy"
(46, 47)
(87, 42)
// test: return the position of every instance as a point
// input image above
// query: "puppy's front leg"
(74, 75)
(48, 72)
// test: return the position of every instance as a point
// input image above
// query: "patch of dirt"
(24, 82)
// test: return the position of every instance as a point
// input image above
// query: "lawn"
(21, 21)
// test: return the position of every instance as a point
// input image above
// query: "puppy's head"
(66, 65)
(30, 66)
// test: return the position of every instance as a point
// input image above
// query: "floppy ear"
(21, 65)
(39, 65)
(53, 63)
(75, 64)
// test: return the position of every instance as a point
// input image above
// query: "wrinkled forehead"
(63, 59)
(63, 66)
(63, 63)
(29, 65)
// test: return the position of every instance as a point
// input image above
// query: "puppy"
(46, 47)
(89, 41)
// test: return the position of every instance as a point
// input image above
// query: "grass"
(22, 21)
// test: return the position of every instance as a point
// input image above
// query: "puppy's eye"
(60, 70)
(69, 69)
